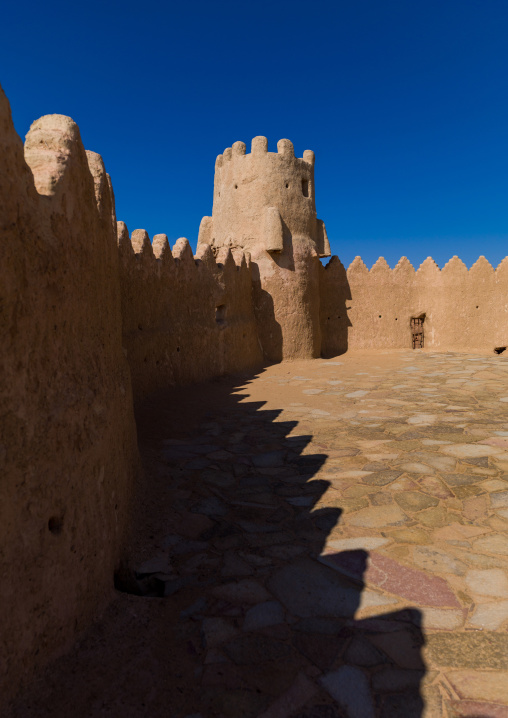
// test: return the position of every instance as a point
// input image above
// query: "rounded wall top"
(309, 156)
(285, 147)
(239, 148)
(58, 123)
(259, 145)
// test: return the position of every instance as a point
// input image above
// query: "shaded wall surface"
(67, 436)
(88, 317)
(185, 319)
(463, 309)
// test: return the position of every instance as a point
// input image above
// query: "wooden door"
(417, 332)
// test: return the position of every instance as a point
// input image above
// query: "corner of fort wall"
(464, 309)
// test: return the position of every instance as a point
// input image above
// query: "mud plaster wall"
(185, 319)
(67, 435)
(464, 309)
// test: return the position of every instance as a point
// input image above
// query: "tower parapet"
(250, 187)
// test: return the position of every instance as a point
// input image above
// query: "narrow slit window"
(220, 314)
(305, 187)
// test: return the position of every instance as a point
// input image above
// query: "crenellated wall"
(464, 309)
(68, 453)
(185, 319)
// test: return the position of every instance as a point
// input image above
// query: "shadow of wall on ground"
(335, 295)
(235, 612)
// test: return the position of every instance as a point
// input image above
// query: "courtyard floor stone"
(333, 540)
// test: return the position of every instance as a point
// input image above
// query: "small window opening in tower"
(499, 350)
(220, 314)
(305, 187)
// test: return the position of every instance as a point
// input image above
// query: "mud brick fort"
(379, 588)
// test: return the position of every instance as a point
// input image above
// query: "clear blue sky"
(405, 103)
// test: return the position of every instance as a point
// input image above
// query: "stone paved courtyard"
(326, 539)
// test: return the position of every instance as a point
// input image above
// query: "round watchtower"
(264, 203)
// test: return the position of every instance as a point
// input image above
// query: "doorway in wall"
(417, 331)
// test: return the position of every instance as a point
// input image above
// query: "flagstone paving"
(337, 542)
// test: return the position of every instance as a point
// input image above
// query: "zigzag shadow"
(273, 534)
(253, 623)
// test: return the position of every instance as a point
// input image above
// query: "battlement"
(463, 307)
(137, 252)
(259, 147)
(185, 317)
(264, 202)
(247, 182)
(454, 266)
